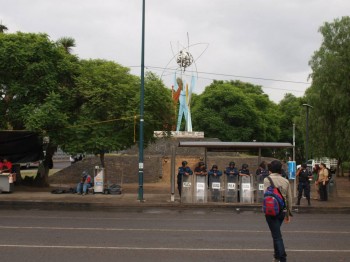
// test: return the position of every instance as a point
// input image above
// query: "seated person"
(5, 166)
(84, 184)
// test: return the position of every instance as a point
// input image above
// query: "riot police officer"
(304, 183)
(184, 170)
(231, 170)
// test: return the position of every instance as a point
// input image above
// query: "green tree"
(329, 93)
(3, 28)
(107, 119)
(236, 111)
(158, 106)
(290, 108)
(102, 122)
(67, 43)
(36, 88)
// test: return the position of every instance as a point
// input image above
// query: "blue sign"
(292, 168)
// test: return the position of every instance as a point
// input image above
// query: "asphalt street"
(167, 235)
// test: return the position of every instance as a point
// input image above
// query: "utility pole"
(142, 94)
(307, 132)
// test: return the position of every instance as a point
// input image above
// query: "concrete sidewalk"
(155, 196)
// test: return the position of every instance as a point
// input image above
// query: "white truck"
(330, 163)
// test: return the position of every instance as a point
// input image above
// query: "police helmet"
(232, 163)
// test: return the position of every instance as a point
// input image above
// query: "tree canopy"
(34, 74)
(236, 111)
(330, 91)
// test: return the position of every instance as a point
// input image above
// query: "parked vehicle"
(330, 163)
(30, 164)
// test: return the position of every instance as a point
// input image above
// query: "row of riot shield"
(229, 189)
(194, 189)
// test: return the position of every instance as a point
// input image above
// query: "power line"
(231, 75)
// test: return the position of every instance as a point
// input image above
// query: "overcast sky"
(247, 40)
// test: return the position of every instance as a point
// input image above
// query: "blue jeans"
(275, 228)
(83, 187)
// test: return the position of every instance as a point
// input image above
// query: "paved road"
(167, 235)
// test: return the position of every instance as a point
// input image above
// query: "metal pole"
(142, 91)
(293, 142)
(307, 132)
(294, 181)
(173, 159)
(307, 135)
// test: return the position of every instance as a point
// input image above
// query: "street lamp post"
(307, 132)
(142, 91)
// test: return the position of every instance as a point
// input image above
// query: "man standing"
(184, 170)
(275, 222)
(304, 183)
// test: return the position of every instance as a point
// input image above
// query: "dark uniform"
(184, 170)
(214, 176)
(261, 172)
(304, 183)
(231, 171)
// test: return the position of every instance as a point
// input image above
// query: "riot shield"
(200, 189)
(246, 190)
(231, 189)
(187, 189)
(215, 188)
(259, 188)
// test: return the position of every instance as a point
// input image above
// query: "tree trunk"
(102, 159)
(42, 177)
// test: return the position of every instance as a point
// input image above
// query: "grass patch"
(32, 172)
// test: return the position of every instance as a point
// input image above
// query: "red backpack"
(273, 203)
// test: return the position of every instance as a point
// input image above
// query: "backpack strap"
(271, 182)
(273, 185)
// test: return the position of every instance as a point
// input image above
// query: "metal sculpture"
(184, 83)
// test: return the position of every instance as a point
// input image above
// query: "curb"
(138, 206)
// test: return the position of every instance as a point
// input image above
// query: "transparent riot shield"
(259, 185)
(231, 189)
(246, 190)
(200, 189)
(215, 188)
(187, 189)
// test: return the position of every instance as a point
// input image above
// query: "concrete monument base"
(178, 134)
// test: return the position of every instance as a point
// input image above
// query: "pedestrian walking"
(275, 222)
